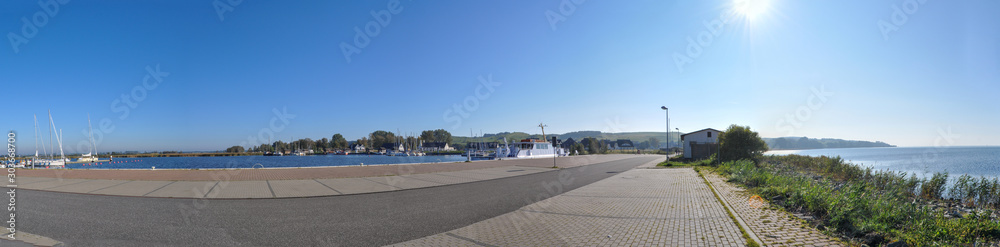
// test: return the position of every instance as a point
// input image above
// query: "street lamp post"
(668, 128)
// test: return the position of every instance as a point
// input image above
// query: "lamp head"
(663, 107)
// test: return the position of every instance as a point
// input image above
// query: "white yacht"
(90, 157)
(528, 149)
(396, 153)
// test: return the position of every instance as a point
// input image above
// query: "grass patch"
(868, 206)
(679, 162)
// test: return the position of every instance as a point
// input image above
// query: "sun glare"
(750, 9)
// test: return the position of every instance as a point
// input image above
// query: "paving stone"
(132, 188)
(641, 207)
(241, 189)
(403, 182)
(45, 185)
(300, 188)
(184, 189)
(355, 185)
(88, 186)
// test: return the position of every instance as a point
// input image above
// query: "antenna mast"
(542, 125)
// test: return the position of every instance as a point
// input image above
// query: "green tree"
(381, 137)
(577, 149)
(438, 135)
(338, 142)
(323, 144)
(427, 136)
(441, 135)
(593, 145)
(281, 147)
(739, 142)
(235, 149)
(654, 143)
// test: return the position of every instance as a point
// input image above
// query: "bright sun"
(751, 9)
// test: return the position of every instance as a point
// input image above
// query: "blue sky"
(601, 65)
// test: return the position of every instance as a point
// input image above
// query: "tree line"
(374, 141)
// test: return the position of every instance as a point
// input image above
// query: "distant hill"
(780, 143)
(792, 143)
(636, 137)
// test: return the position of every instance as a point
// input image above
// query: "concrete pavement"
(287, 183)
(639, 207)
(371, 219)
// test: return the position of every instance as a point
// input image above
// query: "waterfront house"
(701, 144)
(568, 143)
(624, 144)
(390, 146)
(358, 148)
(435, 146)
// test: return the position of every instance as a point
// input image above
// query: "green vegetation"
(739, 142)
(234, 149)
(869, 206)
(678, 162)
(577, 149)
(380, 137)
(337, 142)
(438, 135)
(593, 146)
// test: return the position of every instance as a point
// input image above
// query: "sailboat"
(52, 161)
(91, 155)
(298, 151)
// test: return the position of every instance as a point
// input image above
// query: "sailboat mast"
(93, 143)
(51, 147)
(59, 138)
(36, 135)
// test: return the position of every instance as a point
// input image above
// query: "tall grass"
(860, 202)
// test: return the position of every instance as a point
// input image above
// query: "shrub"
(934, 189)
(739, 142)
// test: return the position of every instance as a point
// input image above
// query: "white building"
(358, 148)
(435, 146)
(701, 144)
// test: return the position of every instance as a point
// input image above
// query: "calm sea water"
(261, 161)
(976, 161)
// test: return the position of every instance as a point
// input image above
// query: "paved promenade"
(307, 172)
(639, 207)
(285, 182)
